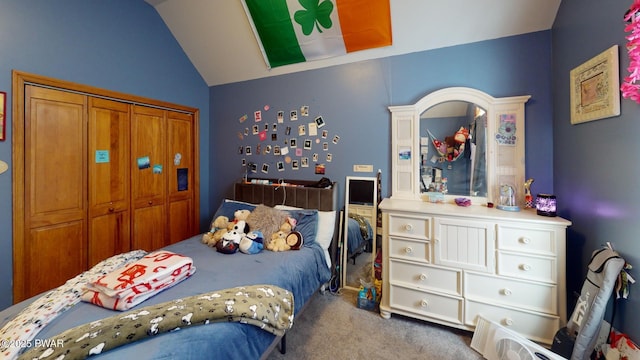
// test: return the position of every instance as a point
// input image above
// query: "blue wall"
(119, 45)
(353, 101)
(595, 163)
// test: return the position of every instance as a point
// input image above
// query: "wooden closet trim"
(19, 80)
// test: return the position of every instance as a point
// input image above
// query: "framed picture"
(595, 88)
(3, 112)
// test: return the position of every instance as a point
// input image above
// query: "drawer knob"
(525, 267)
(408, 250)
(111, 209)
(508, 321)
(408, 227)
(506, 292)
(423, 277)
(424, 303)
(525, 240)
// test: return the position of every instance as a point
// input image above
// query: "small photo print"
(253, 167)
(304, 110)
(274, 128)
(325, 134)
(266, 127)
(267, 149)
(274, 137)
(336, 138)
(258, 149)
(293, 115)
(293, 142)
(276, 150)
(307, 144)
(255, 130)
(287, 131)
(329, 157)
(315, 157)
(265, 168)
(295, 165)
(247, 150)
(244, 162)
(304, 162)
(320, 169)
(302, 130)
(240, 150)
(246, 131)
(280, 117)
(257, 116)
(143, 162)
(298, 152)
(325, 146)
(280, 166)
(319, 122)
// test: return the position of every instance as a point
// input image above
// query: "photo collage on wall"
(276, 141)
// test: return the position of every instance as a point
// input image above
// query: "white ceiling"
(217, 37)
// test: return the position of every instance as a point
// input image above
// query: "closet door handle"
(111, 209)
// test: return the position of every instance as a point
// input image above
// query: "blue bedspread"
(301, 271)
(356, 242)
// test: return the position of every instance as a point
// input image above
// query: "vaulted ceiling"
(217, 37)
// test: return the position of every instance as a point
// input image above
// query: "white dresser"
(447, 264)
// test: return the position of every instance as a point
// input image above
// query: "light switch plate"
(362, 168)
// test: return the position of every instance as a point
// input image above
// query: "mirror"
(358, 246)
(453, 137)
(477, 165)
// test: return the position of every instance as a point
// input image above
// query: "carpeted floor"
(333, 327)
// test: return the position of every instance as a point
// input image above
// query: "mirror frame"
(405, 150)
(344, 255)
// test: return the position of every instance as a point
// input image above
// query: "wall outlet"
(362, 168)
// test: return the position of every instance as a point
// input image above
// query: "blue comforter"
(301, 271)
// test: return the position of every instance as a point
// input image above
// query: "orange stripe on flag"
(365, 24)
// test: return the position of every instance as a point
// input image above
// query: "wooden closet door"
(180, 176)
(55, 206)
(109, 197)
(148, 178)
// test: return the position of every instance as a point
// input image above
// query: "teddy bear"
(231, 239)
(219, 226)
(252, 242)
(278, 242)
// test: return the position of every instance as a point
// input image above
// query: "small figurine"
(528, 198)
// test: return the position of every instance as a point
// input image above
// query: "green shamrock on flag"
(316, 13)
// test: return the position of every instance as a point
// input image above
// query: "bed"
(302, 272)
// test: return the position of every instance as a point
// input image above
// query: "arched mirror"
(458, 142)
(359, 231)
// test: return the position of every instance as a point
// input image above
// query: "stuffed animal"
(231, 239)
(278, 242)
(252, 243)
(219, 226)
(294, 240)
(241, 215)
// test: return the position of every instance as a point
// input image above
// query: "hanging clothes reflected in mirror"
(358, 247)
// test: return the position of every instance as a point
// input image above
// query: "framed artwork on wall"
(595, 88)
(3, 112)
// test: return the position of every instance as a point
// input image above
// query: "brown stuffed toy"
(219, 226)
(278, 242)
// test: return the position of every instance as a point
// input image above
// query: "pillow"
(306, 224)
(325, 229)
(228, 208)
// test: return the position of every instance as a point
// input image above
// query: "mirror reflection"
(453, 149)
(359, 231)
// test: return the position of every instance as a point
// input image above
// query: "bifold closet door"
(109, 196)
(148, 178)
(55, 196)
(180, 176)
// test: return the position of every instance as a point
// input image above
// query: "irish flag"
(293, 31)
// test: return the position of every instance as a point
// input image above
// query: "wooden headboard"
(302, 196)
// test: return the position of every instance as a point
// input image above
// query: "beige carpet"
(333, 327)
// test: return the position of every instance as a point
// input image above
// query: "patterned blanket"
(266, 306)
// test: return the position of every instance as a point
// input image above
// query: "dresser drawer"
(426, 277)
(518, 293)
(539, 268)
(417, 250)
(438, 306)
(409, 226)
(540, 241)
(535, 326)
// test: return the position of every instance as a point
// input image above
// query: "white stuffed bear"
(231, 239)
